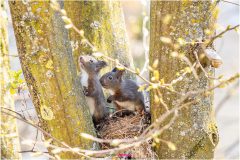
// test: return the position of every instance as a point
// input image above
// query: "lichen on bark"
(194, 132)
(104, 26)
(9, 133)
(47, 63)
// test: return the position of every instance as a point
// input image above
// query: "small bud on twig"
(97, 54)
(66, 20)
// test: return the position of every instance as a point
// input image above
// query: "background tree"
(102, 23)
(9, 133)
(194, 132)
(47, 63)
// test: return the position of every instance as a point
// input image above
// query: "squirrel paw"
(85, 91)
(109, 100)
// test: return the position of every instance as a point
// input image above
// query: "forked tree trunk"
(9, 134)
(103, 25)
(47, 63)
(194, 132)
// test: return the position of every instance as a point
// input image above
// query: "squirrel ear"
(119, 73)
(100, 65)
(114, 69)
(79, 61)
(80, 57)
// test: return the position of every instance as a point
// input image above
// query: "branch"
(85, 153)
(26, 151)
(69, 24)
(150, 133)
(201, 67)
(145, 44)
(220, 34)
(46, 133)
(222, 83)
(230, 92)
(11, 55)
(230, 2)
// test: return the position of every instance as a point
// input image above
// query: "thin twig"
(226, 97)
(26, 151)
(145, 44)
(200, 65)
(220, 34)
(11, 55)
(148, 134)
(231, 147)
(230, 2)
(36, 137)
(46, 133)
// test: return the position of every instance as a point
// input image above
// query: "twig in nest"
(122, 111)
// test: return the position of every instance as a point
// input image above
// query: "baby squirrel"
(124, 92)
(92, 88)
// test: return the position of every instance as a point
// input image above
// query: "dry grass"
(125, 127)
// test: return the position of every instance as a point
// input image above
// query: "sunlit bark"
(103, 25)
(9, 134)
(47, 63)
(194, 132)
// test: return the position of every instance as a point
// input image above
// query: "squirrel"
(124, 92)
(92, 88)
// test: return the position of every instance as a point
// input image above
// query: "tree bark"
(104, 26)
(9, 134)
(47, 63)
(194, 132)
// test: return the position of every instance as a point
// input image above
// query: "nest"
(118, 126)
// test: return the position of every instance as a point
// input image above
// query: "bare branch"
(226, 97)
(230, 2)
(220, 34)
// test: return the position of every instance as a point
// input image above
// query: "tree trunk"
(9, 134)
(103, 25)
(194, 132)
(48, 67)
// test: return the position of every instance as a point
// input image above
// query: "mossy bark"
(49, 70)
(194, 132)
(9, 134)
(104, 26)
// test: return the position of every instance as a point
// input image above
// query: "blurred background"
(136, 17)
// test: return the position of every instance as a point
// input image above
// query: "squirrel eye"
(110, 77)
(91, 61)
